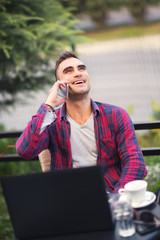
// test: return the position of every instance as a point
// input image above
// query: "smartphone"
(63, 91)
(145, 228)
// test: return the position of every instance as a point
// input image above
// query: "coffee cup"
(136, 189)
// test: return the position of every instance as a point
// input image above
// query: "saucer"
(149, 198)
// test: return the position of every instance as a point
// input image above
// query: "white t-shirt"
(83, 141)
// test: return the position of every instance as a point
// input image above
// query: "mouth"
(78, 82)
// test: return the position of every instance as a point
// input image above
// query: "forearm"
(130, 154)
(34, 139)
(31, 142)
(133, 168)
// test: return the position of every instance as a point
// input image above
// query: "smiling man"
(82, 132)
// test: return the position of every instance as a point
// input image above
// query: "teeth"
(78, 82)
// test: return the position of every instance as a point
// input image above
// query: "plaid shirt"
(118, 151)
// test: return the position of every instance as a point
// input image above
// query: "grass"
(128, 31)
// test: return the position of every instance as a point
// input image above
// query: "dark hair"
(61, 58)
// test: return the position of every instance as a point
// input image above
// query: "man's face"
(74, 71)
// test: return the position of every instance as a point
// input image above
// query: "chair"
(45, 160)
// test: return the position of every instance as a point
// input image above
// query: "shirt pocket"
(109, 154)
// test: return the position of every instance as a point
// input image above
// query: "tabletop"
(111, 234)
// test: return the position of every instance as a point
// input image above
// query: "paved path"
(125, 72)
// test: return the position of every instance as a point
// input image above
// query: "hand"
(53, 98)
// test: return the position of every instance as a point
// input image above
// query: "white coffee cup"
(136, 189)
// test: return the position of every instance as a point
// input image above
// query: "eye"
(82, 68)
(69, 70)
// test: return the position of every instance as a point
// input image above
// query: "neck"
(79, 110)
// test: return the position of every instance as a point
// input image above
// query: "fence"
(151, 151)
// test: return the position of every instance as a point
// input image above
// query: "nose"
(77, 72)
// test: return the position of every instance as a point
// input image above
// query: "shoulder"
(114, 115)
(109, 108)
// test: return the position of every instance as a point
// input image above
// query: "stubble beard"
(73, 95)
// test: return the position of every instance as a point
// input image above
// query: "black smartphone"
(145, 228)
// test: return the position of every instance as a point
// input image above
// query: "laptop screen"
(57, 203)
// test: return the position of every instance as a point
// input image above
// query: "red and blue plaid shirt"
(118, 151)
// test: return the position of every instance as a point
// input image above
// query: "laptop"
(55, 205)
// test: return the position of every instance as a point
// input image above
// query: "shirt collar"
(95, 108)
(63, 112)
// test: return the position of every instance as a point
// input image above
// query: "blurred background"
(121, 49)
(118, 40)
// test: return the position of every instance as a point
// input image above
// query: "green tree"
(32, 33)
(97, 10)
(138, 8)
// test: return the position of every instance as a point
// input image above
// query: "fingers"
(62, 83)
(53, 98)
(57, 85)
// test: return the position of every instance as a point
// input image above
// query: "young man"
(83, 132)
